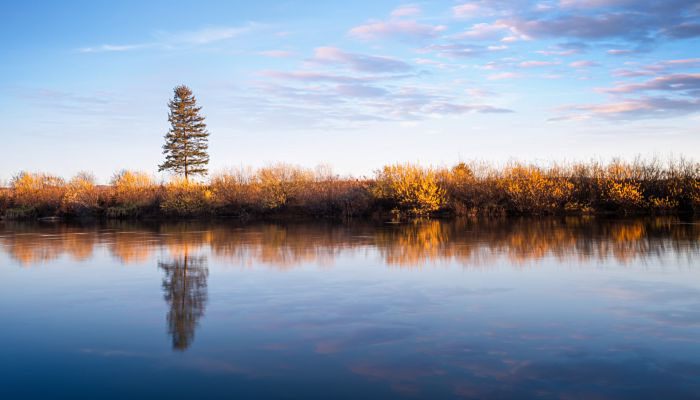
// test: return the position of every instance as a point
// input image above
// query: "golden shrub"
(133, 188)
(233, 188)
(183, 197)
(280, 184)
(626, 195)
(413, 188)
(663, 203)
(5, 198)
(37, 190)
(81, 194)
(529, 189)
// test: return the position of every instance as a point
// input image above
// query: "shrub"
(38, 191)
(411, 187)
(474, 189)
(624, 196)
(185, 198)
(133, 189)
(5, 198)
(234, 189)
(81, 195)
(529, 189)
(281, 184)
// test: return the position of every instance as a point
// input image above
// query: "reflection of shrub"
(39, 191)
(123, 212)
(528, 189)
(133, 188)
(21, 213)
(411, 187)
(185, 198)
(81, 195)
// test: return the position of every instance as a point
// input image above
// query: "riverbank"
(400, 191)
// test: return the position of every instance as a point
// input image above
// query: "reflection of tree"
(185, 290)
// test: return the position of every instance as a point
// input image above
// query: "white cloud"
(276, 53)
(170, 40)
(406, 11)
(395, 29)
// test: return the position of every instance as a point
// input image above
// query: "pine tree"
(186, 143)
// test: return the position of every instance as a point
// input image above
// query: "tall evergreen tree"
(186, 143)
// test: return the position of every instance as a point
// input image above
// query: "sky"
(84, 85)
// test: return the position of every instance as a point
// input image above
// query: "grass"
(399, 190)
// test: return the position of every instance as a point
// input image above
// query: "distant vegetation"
(395, 191)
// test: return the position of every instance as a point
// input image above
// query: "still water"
(546, 308)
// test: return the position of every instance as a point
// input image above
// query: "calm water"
(549, 308)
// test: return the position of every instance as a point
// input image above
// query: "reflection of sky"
(356, 328)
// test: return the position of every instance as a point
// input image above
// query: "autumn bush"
(5, 199)
(530, 189)
(37, 194)
(81, 195)
(410, 188)
(133, 188)
(282, 185)
(234, 191)
(186, 198)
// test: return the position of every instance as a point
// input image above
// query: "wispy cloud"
(503, 75)
(172, 40)
(114, 48)
(276, 53)
(397, 29)
(537, 64)
(357, 62)
(408, 10)
(657, 68)
(660, 97)
(580, 64)
(686, 83)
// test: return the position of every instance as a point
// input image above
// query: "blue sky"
(351, 84)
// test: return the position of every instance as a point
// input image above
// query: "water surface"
(546, 308)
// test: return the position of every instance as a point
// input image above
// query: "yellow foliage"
(81, 193)
(281, 183)
(183, 197)
(133, 188)
(663, 203)
(36, 190)
(233, 188)
(529, 189)
(414, 188)
(624, 194)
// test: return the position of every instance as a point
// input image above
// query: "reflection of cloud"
(668, 304)
(403, 378)
(364, 337)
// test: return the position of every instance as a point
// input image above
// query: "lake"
(551, 308)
